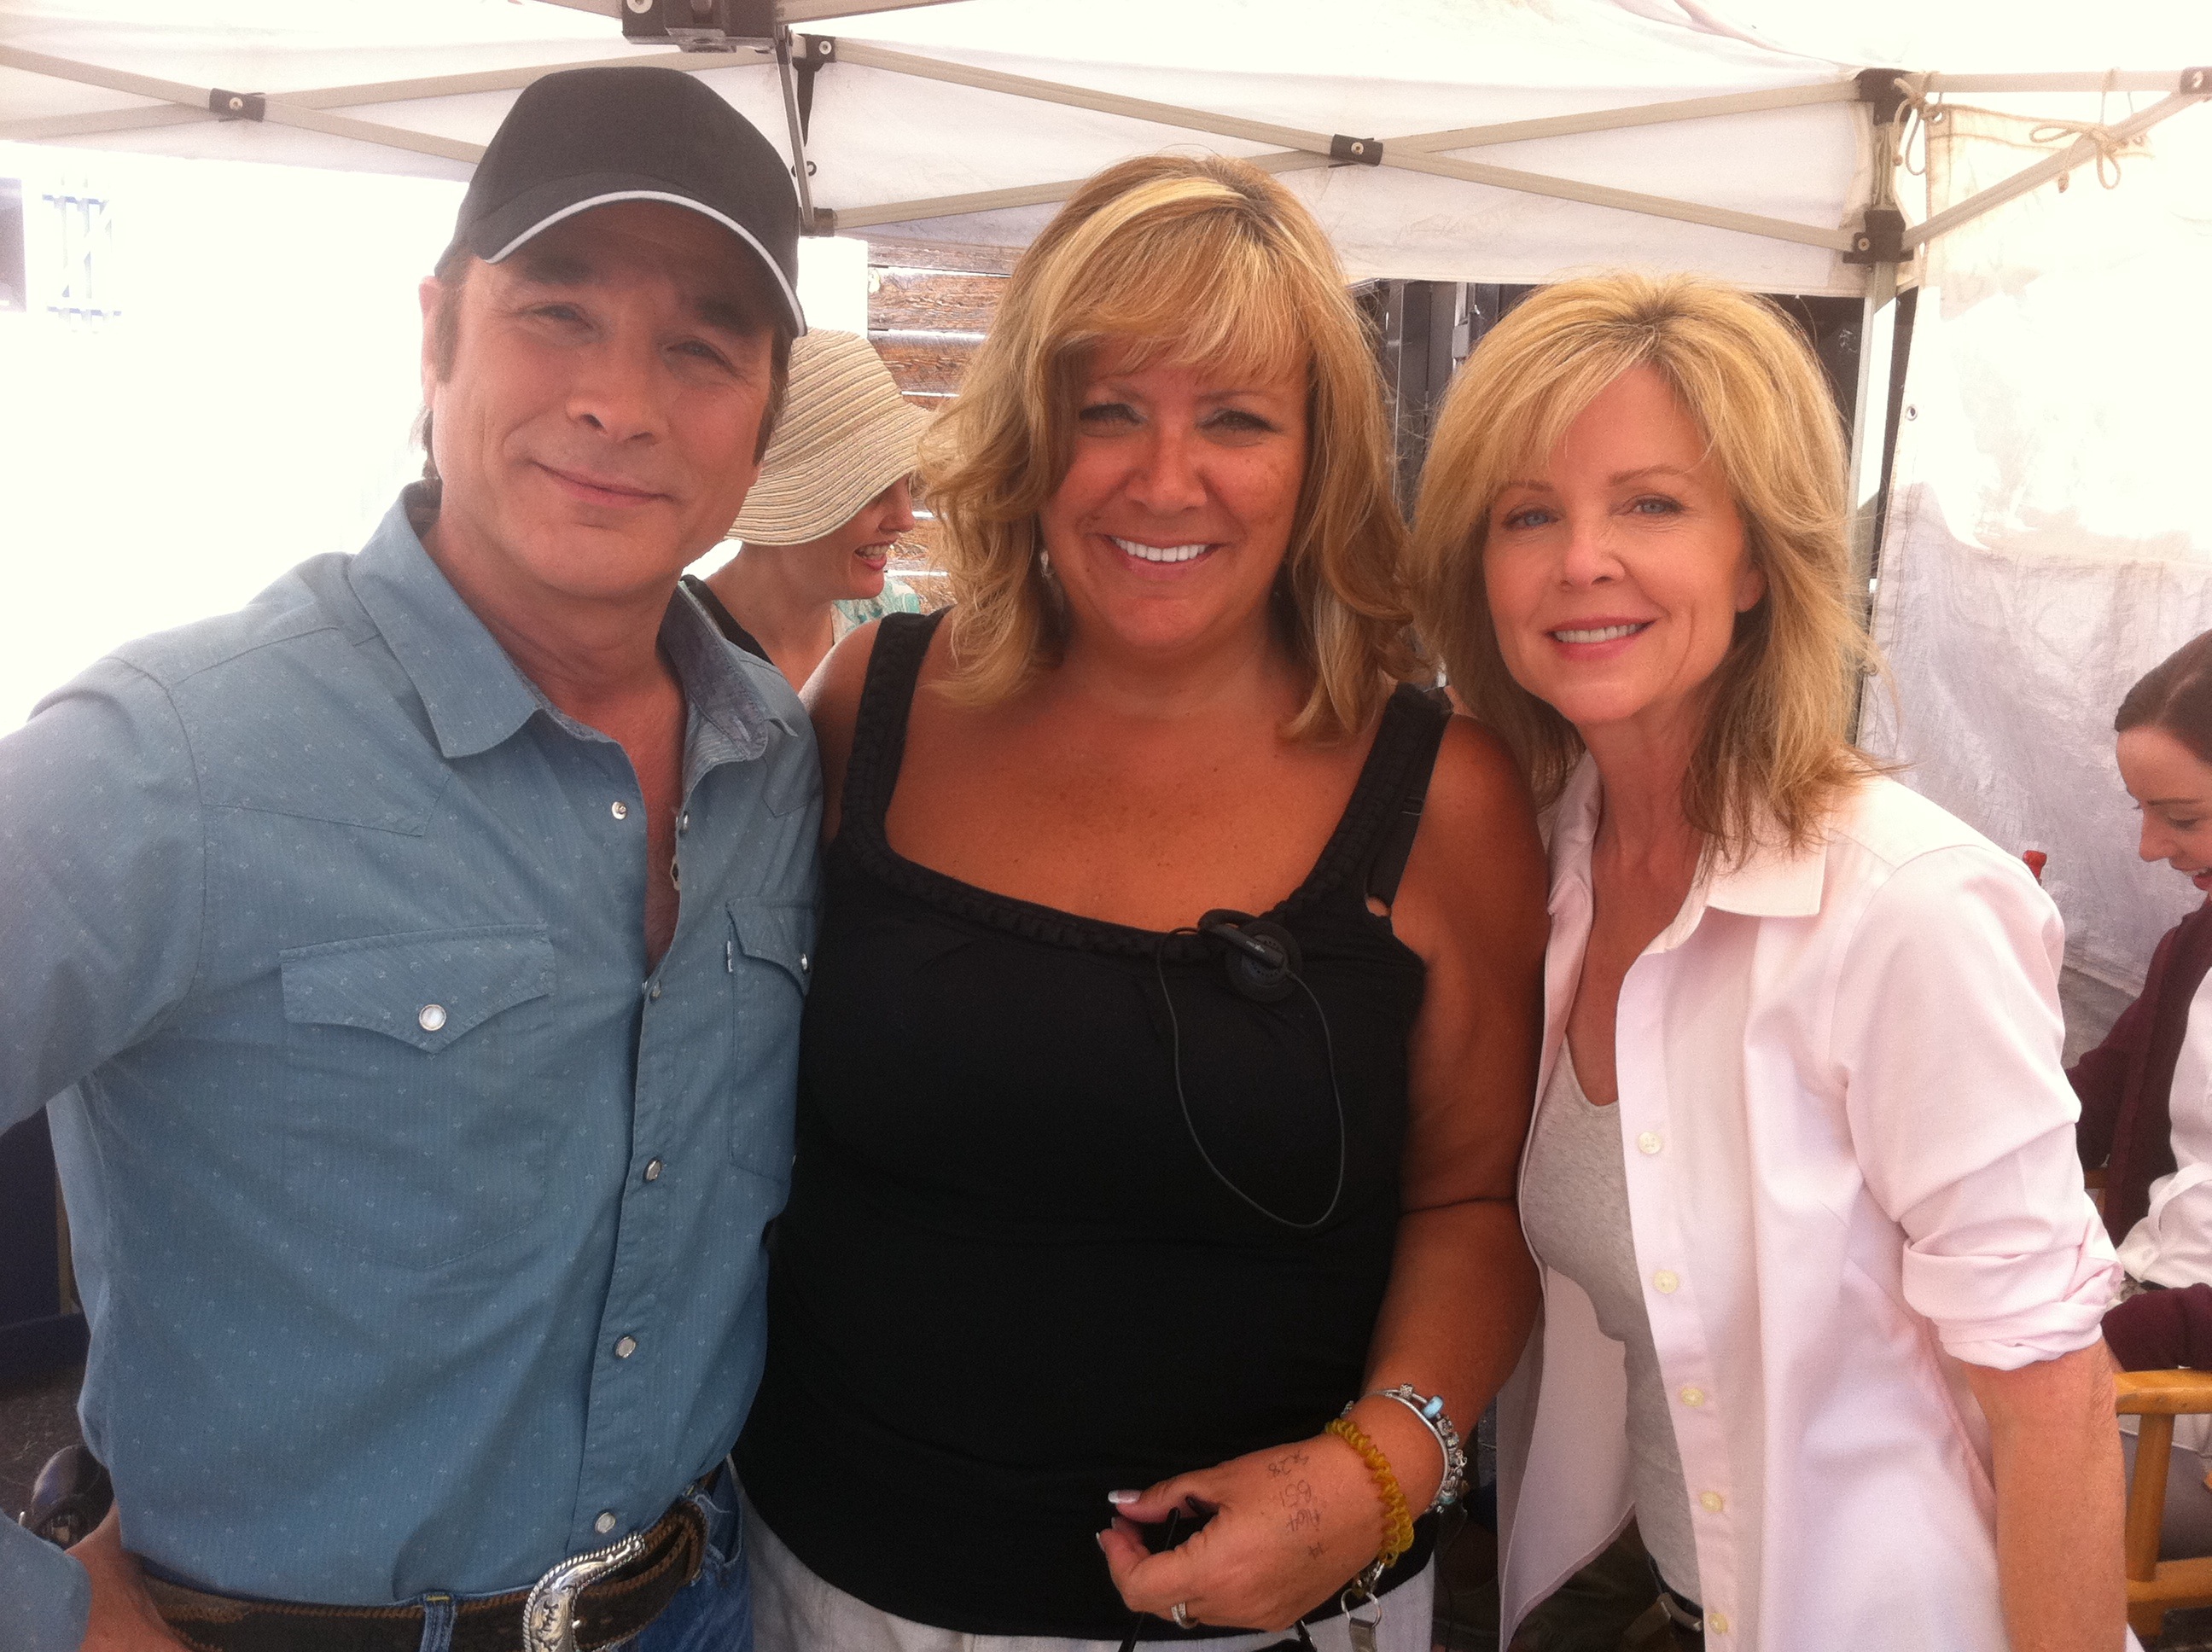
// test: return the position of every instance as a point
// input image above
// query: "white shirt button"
(652, 1171)
(1694, 1396)
(621, 810)
(806, 963)
(625, 1346)
(1712, 1502)
(430, 1017)
(1665, 1281)
(605, 1523)
(1647, 1142)
(1717, 1622)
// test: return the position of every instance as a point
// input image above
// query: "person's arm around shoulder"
(832, 699)
(1947, 1032)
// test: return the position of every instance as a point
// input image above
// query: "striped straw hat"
(846, 434)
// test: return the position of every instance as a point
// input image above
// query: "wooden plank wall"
(928, 308)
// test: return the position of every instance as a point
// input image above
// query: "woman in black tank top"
(1099, 1191)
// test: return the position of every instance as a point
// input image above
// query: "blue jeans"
(714, 1613)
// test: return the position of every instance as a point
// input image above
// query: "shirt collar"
(476, 696)
(1772, 881)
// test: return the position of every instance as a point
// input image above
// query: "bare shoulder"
(1477, 872)
(832, 699)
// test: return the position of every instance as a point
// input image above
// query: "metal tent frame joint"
(1883, 91)
(701, 25)
(237, 106)
(1880, 238)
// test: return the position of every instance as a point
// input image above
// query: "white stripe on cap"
(791, 298)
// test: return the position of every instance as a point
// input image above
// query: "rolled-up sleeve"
(102, 870)
(1949, 1034)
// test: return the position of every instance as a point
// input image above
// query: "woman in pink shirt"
(1821, 1286)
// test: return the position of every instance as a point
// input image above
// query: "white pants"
(794, 1611)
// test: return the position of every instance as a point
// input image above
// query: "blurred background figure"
(833, 498)
(2146, 1090)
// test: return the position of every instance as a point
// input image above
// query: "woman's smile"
(1153, 560)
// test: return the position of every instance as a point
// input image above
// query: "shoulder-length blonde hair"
(1198, 261)
(1774, 754)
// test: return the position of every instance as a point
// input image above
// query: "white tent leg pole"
(1870, 440)
(789, 81)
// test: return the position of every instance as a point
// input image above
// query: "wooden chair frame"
(2156, 1587)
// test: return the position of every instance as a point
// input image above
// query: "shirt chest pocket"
(419, 1115)
(771, 964)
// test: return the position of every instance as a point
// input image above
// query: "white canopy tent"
(1462, 140)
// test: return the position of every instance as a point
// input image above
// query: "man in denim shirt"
(415, 961)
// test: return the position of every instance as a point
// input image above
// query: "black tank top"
(1005, 1282)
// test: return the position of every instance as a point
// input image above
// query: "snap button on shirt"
(625, 1347)
(652, 1171)
(621, 810)
(605, 1523)
(430, 1017)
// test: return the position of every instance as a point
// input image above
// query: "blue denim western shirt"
(418, 1220)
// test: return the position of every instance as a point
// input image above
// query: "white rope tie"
(1919, 114)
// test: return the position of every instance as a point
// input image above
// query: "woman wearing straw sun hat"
(832, 499)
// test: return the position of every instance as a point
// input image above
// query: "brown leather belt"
(609, 1608)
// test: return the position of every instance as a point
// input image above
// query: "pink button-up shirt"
(1850, 1151)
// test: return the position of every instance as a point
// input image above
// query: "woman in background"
(1122, 1217)
(2146, 1090)
(819, 527)
(1802, 1152)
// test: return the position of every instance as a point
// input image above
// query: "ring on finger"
(1181, 1612)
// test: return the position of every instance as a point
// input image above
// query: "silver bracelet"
(1430, 1409)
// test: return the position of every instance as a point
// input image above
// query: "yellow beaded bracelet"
(1397, 1518)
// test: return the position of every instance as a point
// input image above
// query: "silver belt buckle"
(548, 1615)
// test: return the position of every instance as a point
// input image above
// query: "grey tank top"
(1574, 1206)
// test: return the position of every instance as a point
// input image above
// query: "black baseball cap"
(585, 137)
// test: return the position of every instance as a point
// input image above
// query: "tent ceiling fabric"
(890, 146)
(878, 137)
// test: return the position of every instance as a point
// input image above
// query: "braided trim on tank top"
(1406, 737)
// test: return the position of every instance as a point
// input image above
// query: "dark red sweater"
(2124, 1084)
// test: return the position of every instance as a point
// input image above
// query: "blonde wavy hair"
(1199, 261)
(1774, 756)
